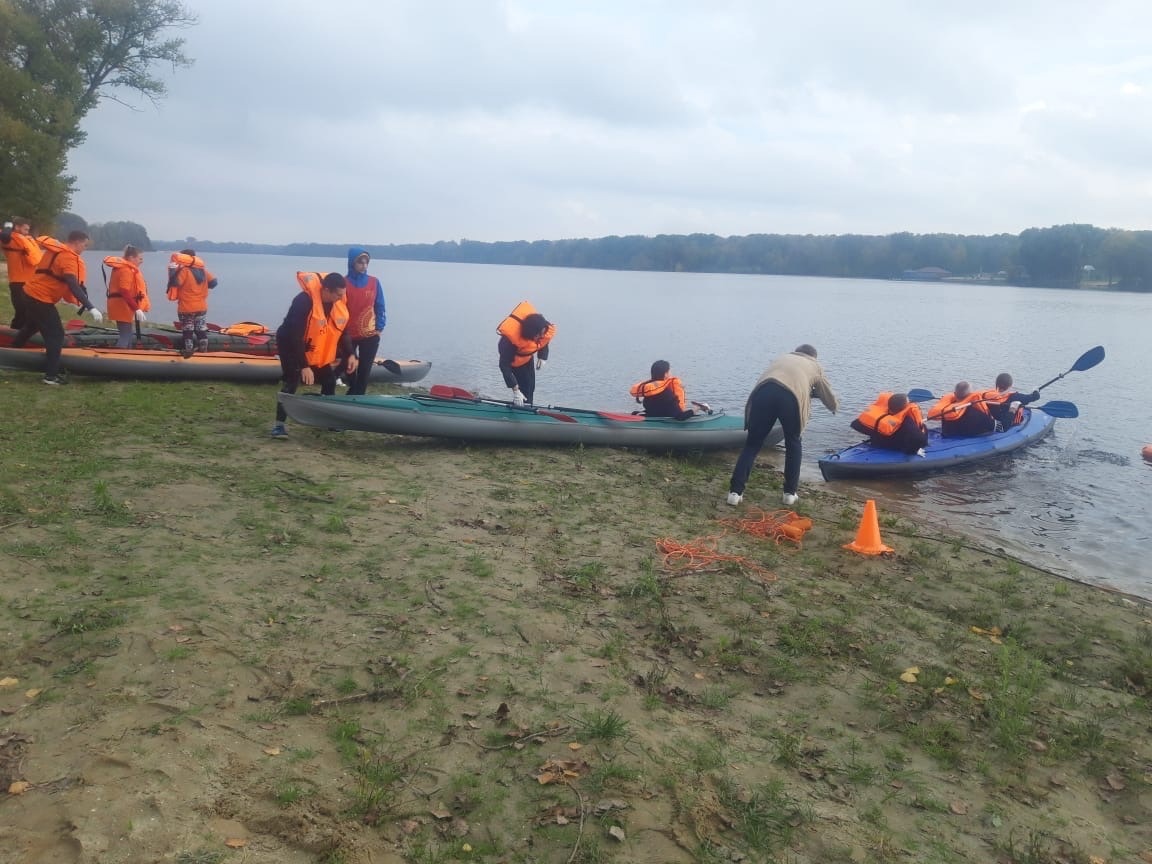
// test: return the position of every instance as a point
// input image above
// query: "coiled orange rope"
(704, 553)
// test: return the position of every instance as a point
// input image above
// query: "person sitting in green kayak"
(1001, 400)
(663, 395)
(893, 423)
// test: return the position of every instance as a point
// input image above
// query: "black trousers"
(42, 318)
(365, 352)
(526, 379)
(325, 376)
(770, 403)
(16, 291)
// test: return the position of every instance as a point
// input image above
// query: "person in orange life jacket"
(784, 392)
(22, 254)
(127, 294)
(999, 401)
(663, 396)
(523, 334)
(313, 340)
(189, 282)
(366, 317)
(962, 414)
(893, 423)
(59, 276)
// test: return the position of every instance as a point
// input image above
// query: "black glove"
(1032, 397)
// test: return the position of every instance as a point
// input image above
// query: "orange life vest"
(510, 329)
(670, 388)
(48, 284)
(191, 295)
(950, 408)
(995, 397)
(245, 328)
(322, 335)
(362, 308)
(876, 419)
(23, 255)
(126, 281)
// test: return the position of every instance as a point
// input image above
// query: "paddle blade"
(392, 366)
(919, 394)
(1056, 408)
(446, 392)
(1089, 359)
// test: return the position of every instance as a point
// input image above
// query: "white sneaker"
(789, 498)
(735, 498)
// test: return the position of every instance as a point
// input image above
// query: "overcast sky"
(396, 121)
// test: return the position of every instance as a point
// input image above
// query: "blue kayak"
(864, 460)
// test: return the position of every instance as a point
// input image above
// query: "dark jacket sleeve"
(78, 291)
(290, 336)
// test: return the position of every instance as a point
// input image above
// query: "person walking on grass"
(313, 340)
(58, 278)
(784, 393)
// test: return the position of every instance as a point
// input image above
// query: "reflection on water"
(1073, 503)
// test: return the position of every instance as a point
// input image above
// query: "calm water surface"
(1078, 503)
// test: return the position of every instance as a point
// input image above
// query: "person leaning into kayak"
(189, 282)
(962, 413)
(523, 334)
(784, 392)
(313, 340)
(22, 254)
(366, 317)
(1000, 401)
(663, 395)
(893, 423)
(127, 293)
(59, 277)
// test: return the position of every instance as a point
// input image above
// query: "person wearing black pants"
(783, 394)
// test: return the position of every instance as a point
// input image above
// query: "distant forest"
(1062, 256)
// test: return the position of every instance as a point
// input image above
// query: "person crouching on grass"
(313, 342)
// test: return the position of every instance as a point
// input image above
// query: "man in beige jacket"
(784, 392)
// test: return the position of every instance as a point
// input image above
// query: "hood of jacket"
(357, 279)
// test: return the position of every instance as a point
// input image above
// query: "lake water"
(1078, 503)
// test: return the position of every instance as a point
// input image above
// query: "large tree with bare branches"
(58, 59)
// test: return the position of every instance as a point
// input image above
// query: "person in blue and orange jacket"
(366, 317)
(663, 395)
(59, 277)
(22, 254)
(127, 294)
(962, 413)
(524, 334)
(1001, 399)
(189, 282)
(893, 423)
(313, 340)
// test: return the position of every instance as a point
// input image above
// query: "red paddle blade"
(446, 392)
(76, 324)
(627, 418)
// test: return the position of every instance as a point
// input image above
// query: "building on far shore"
(926, 274)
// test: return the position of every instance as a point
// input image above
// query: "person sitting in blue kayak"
(962, 413)
(893, 423)
(663, 395)
(1000, 402)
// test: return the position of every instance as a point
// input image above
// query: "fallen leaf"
(915, 670)
(1146, 857)
(976, 694)
(908, 677)
(236, 842)
(19, 787)
(175, 628)
(441, 813)
(183, 639)
(959, 808)
(9, 682)
(33, 693)
(949, 681)
(575, 745)
(272, 751)
(467, 847)
(616, 833)
(1115, 781)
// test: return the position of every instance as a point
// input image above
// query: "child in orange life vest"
(893, 423)
(524, 334)
(663, 396)
(1000, 401)
(313, 340)
(962, 414)
(189, 282)
(127, 293)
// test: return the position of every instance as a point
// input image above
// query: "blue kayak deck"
(864, 460)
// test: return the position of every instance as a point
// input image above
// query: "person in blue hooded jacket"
(366, 318)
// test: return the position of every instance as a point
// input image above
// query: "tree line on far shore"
(1062, 256)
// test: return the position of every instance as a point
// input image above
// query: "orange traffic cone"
(867, 540)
